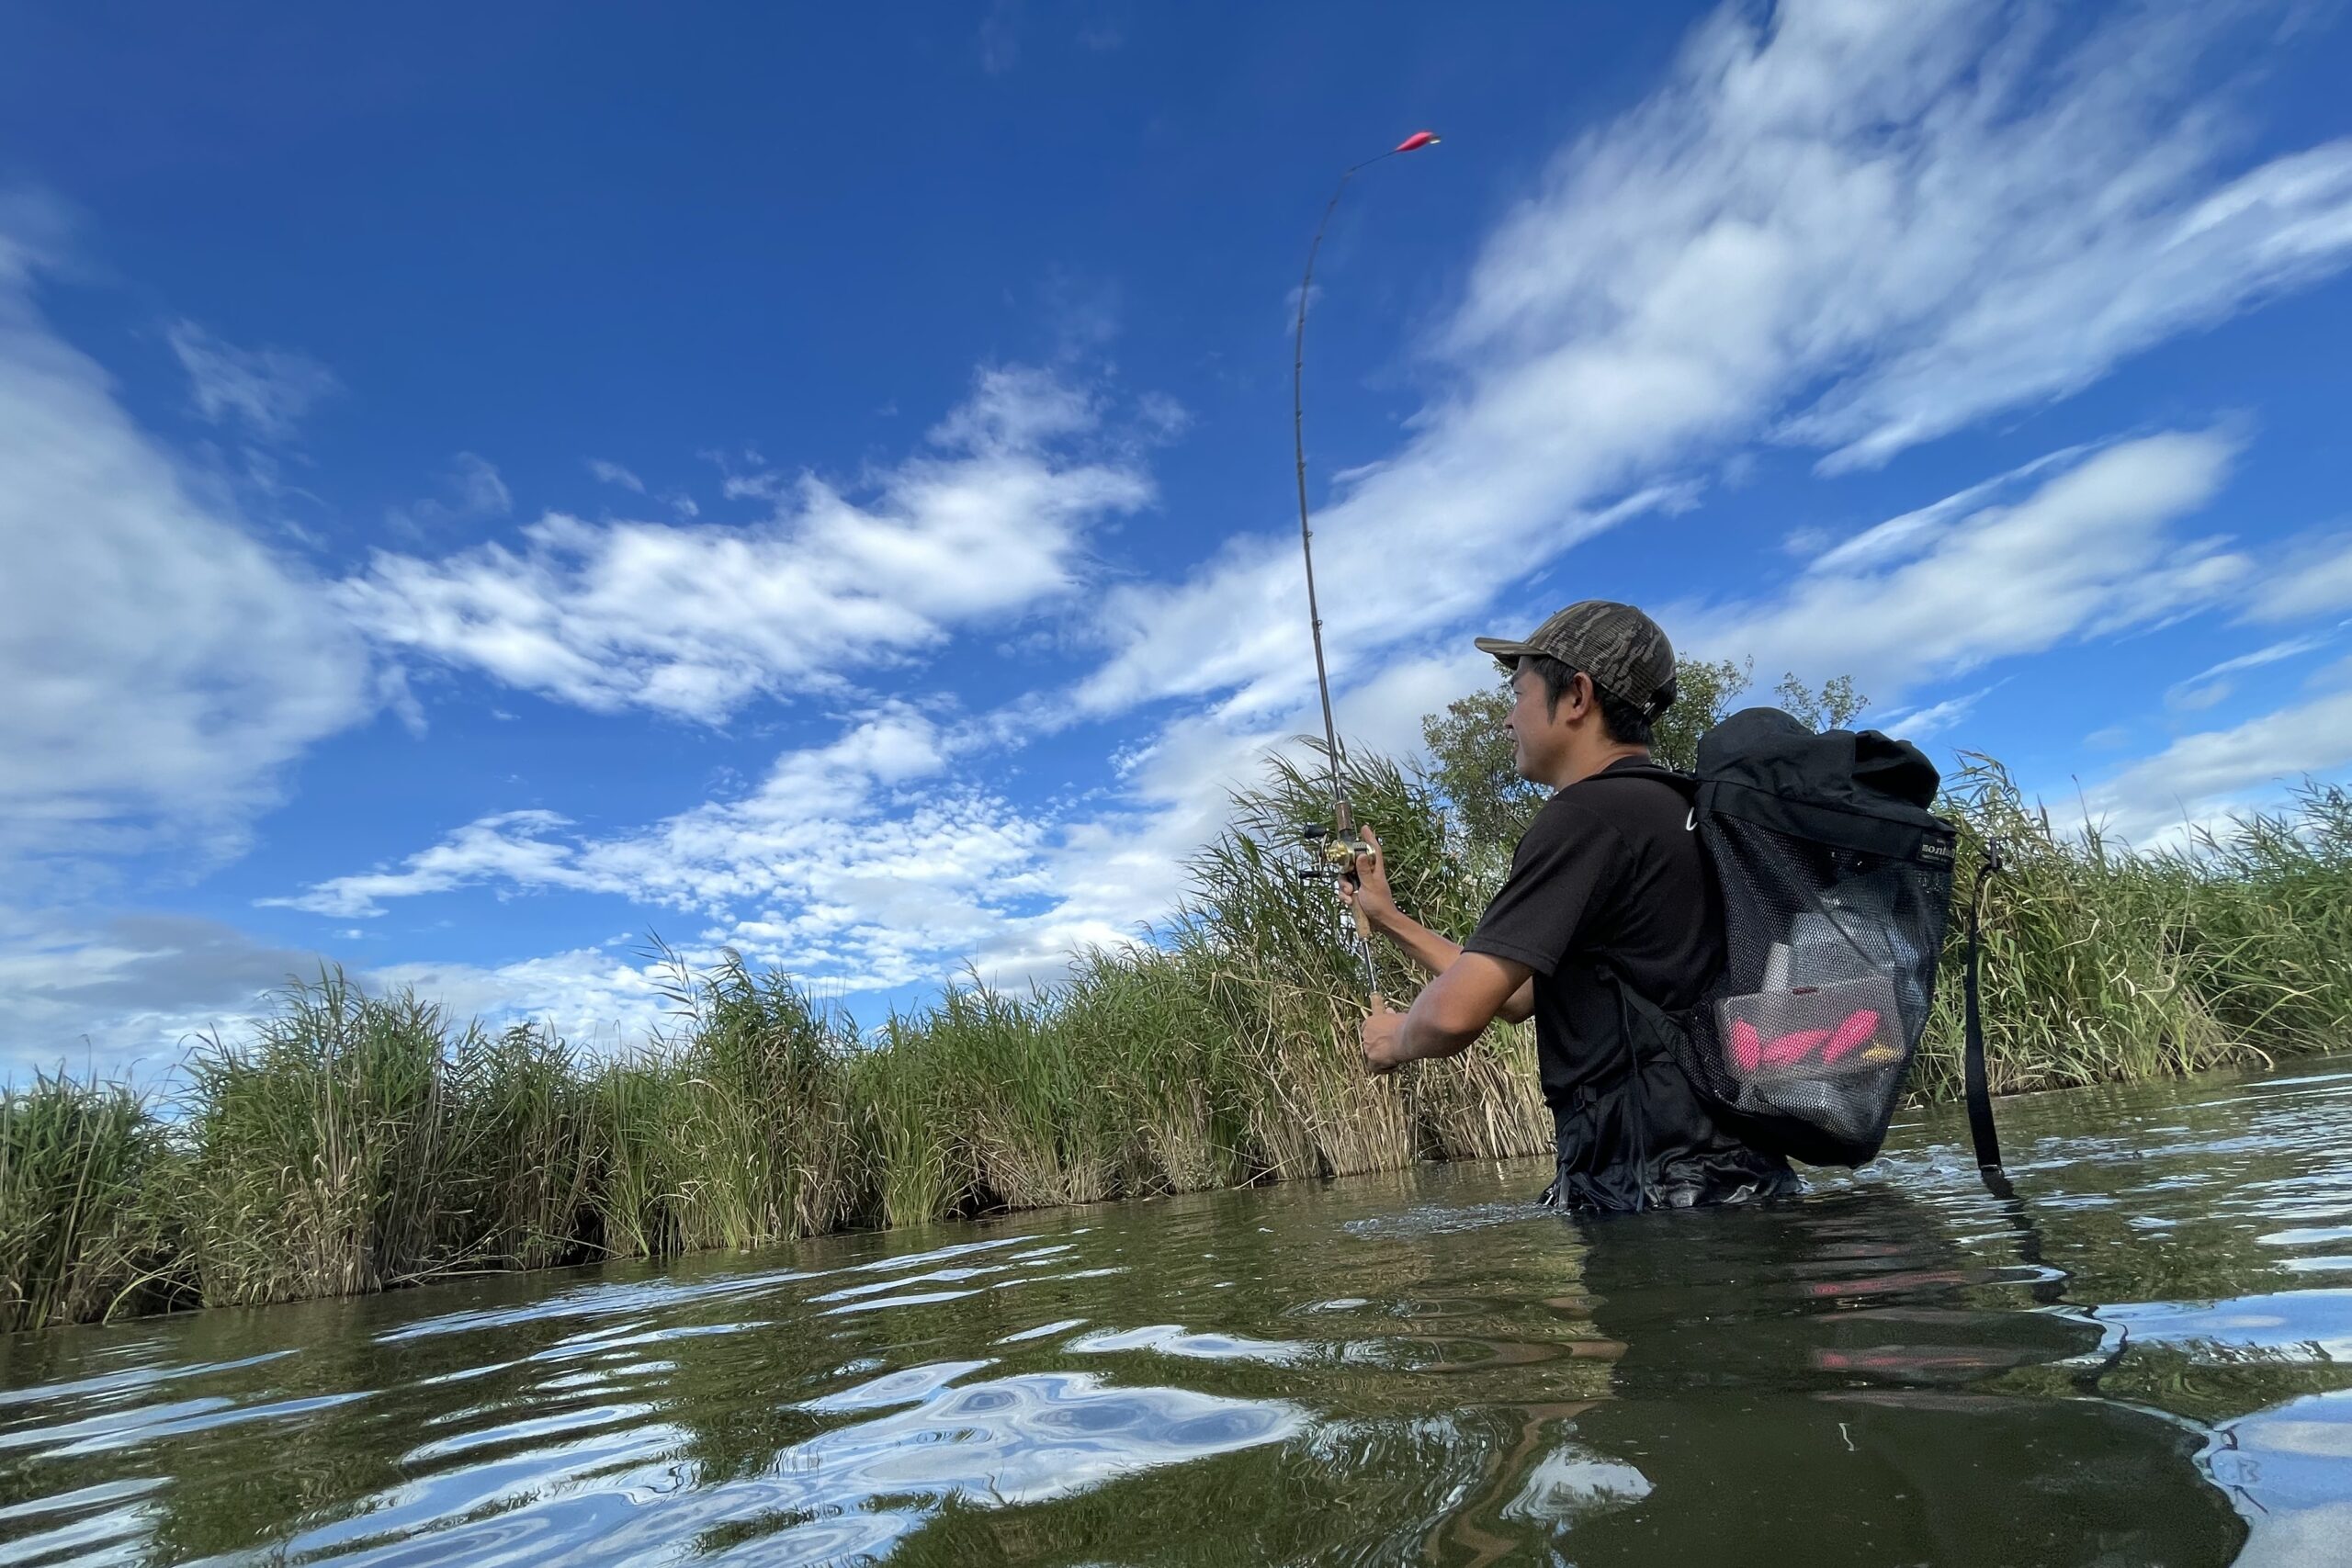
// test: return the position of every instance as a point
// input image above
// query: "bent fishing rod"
(1335, 845)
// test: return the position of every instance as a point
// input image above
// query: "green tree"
(1833, 707)
(1703, 693)
(1471, 764)
(1470, 751)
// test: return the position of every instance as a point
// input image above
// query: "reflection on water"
(2145, 1361)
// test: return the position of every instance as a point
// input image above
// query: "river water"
(2147, 1359)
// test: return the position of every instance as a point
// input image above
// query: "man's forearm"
(1422, 945)
(1447, 1016)
(1422, 1036)
(1436, 954)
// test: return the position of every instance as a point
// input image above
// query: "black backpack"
(1835, 880)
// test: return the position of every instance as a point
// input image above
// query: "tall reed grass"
(2105, 964)
(77, 1234)
(355, 1142)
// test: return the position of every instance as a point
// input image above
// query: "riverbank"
(358, 1142)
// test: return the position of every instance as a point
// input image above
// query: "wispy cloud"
(108, 992)
(1935, 718)
(265, 390)
(1000, 37)
(471, 491)
(1897, 539)
(2201, 778)
(162, 665)
(1853, 227)
(2208, 685)
(614, 474)
(507, 846)
(1954, 585)
(697, 619)
(866, 862)
(852, 863)
(2313, 579)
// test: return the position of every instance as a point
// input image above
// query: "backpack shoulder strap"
(1975, 1087)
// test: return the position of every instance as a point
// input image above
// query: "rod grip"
(1364, 933)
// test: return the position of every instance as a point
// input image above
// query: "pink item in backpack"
(1790, 1049)
(1746, 1048)
(1850, 1036)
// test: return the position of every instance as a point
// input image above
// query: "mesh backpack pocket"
(1822, 1054)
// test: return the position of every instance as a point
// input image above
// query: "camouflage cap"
(1622, 650)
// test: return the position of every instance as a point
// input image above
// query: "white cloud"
(1854, 226)
(2200, 778)
(614, 474)
(695, 620)
(2207, 687)
(593, 999)
(161, 666)
(1935, 718)
(267, 390)
(862, 865)
(126, 995)
(506, 845)
(1000, 37)
(2196, 698)
(472, 491)
(2138, 268)
(2315, 580)
(1954, 585)
(852, 863)
(1124, 864)
(128, 990)
(1898, 538)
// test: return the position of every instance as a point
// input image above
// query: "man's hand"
(1382, 1052)
(1367, 887)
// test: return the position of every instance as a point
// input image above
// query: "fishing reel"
(1333, 852)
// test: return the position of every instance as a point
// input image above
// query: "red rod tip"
(1417, 140)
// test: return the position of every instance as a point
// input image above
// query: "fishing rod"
(1337, 845)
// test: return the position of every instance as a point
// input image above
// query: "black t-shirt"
(1608, 872)
(1610, 885)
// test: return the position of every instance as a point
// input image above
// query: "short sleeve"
(1563, 866)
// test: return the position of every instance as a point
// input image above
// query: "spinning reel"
(1333, 850)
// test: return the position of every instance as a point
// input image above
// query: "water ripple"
(2147, 1359)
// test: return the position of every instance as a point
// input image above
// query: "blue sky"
(484, 485)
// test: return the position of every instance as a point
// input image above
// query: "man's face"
(1537, 731)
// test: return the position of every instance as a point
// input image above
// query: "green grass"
(355, 1142)
(335, 1153)
(2105, 965)
(78, 1171)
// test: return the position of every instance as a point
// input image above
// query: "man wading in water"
(1607, 893)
